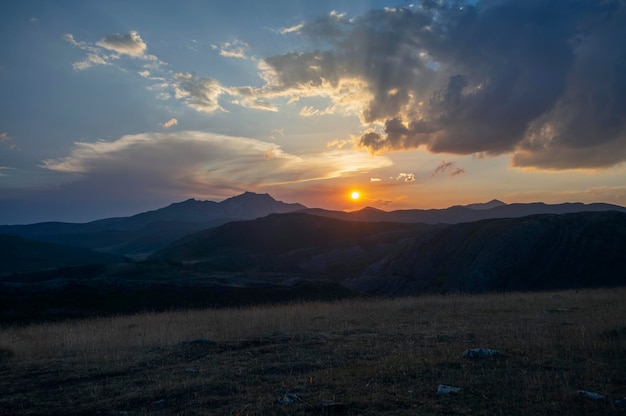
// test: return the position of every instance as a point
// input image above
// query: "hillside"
(530, 253)
(545, 251)
(19, 255)
(291, 243)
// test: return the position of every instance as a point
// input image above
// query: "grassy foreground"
(352, 357)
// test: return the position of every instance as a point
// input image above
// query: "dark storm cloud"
(544, 80)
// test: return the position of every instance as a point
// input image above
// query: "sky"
(114, 108)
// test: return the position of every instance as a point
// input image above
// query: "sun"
(355, 195)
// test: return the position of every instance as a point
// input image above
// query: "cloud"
(200, 93)
(291, 29)
(308, 111)
(456, 171)
(609, 192)
(543, 81)
(338, 144)
(8, 141)
(112, 48)
(447, 167)
(194, 162)
(169, 123)
(234, 49)
(129, 44)
(405, 177)
(275, 133)
(91, 60)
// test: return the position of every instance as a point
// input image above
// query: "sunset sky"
(111, 108)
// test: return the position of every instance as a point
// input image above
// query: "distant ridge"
(141, 234)
(486, 205)
(468, 213)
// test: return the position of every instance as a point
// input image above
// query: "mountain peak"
(486, 205)
(253, 205)
(248, 194)
(370, 209)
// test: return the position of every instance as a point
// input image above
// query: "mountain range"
(252, 248)
(140, 235)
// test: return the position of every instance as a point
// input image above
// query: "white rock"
(288, 399)
(591, 395)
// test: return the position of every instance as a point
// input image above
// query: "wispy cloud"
(192, 162)
(234, 49)
(291, 29)
(447, 168)
(169, 123)
(112, 48)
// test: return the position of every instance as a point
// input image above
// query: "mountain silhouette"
(139, 235)
(468, 213)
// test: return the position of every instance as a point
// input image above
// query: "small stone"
(443, 389)
(159, 403)
(480, 353)
(190, 370)
(288, 399)
(591, 395)
(621, 403)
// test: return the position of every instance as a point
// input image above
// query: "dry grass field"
(352, 357)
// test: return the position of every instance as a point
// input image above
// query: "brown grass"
(354, 357)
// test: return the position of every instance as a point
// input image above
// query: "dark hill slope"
(530, 253)
(19, 255)
(294, 242)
